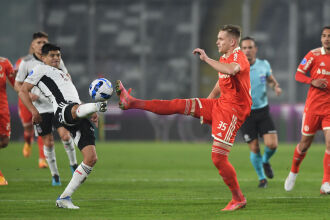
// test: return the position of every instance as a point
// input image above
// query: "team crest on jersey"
(322, 64)
(303, 62)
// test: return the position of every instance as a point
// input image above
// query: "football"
(100, 90)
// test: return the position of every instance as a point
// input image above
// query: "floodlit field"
(152, 180)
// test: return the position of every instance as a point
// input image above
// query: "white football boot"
(325, 188)
(65, 203)
(290, 181)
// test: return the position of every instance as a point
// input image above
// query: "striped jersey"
(54, 84)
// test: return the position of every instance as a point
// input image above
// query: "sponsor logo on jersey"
(262, 78)
(322, 64)
(323, 72)
(303, 62)
(221, 76)
(219, 134)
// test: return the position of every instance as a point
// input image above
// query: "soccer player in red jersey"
(6, 73)
(24, 113)
(226, 108)
(317, 109)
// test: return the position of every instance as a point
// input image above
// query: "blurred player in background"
(226, 108)
(45, 108)
(259, 123)
(26, 117)
(69, 113)
(317, 109)
(6, 74)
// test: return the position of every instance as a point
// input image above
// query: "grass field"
(152, 180)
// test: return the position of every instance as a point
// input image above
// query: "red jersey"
(236, 89)
(6, 70)
(317, 62)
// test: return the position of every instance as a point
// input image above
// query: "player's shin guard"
(227, 172)
(326, 167)
(85, 110)
(298, 157)
(51, 159)
(70, 151)
(256, 161)
(268, 154)
(78, 178)
(41, 148)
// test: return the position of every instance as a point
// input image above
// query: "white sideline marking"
(97, 180)
(163, 199)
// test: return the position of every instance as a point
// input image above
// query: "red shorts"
(24, 113)
(5, 124)
(225, 119)
(311, 123)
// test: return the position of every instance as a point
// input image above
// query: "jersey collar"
(36, 57)
(323, 51)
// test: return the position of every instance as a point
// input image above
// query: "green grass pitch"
(152, 180)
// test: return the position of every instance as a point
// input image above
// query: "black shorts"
(47, 124)
(81, 130)
(82, 133)
(259, 122)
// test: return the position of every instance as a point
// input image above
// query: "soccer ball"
(100, 90)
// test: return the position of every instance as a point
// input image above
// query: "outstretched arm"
(24, 96)
(225, 68)
(274, 84)
(215, 93)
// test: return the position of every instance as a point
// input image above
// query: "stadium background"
(148, 43)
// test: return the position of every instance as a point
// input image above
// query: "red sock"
(298, 157)
(28, 137)
(166, 107)
(226, 171)
(41, 148)
(326, 167)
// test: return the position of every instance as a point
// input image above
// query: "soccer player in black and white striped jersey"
(69, 112)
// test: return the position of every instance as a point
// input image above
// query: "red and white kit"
(316, 113)
(228, 113)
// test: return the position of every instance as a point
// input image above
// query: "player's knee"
(91, 160)
(271, 145)
(65, 137)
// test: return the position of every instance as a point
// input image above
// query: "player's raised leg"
(298, 156)
(161, 107)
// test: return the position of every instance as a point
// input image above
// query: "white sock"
(70, 151)
(51, 159)
(78, 177)
(85, 110)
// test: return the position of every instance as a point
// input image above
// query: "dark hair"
(249, 38)
(39, 34)
(234, 30)
(49, 47)
(325, 27)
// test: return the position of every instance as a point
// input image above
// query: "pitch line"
(160, 199)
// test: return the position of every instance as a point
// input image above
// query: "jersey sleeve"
(306, 63)
(239, 59)
(10, 73)
(35, 75)
(268, 68)
(22, 72)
